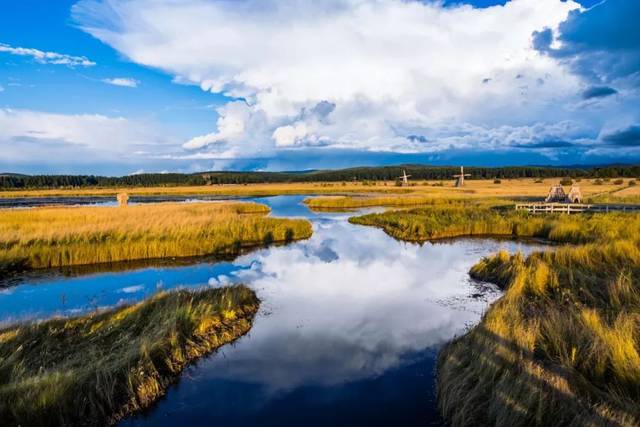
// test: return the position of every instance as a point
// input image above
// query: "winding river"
(347, 335)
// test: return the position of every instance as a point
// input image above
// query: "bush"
(618, 182)
(566, 181)
(497, 181)
(632, 183)
(539, 181)
(598, 182)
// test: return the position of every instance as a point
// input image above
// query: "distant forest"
(417, 172)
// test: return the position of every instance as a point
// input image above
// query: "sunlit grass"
(508, 188)
(562, 346)
(55, 237)
(95, 369)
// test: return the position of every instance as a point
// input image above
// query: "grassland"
(437, 222)
(430, 193)
(525, 188)
(562, 346)
(248, 190)
(65, 236)
(96, 369)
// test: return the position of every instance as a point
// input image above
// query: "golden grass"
(524, 187)
(248, 190)
(562, 346)
(437, 222)
(63, 236)
(96, 369)
(474, 190)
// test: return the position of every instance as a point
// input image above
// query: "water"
(348, 332)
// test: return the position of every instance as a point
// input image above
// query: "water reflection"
(347, 334)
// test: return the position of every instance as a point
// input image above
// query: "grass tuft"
(96, 369)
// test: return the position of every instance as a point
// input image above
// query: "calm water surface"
(347, 335)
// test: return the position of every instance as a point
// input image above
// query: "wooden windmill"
(460, 178)
(404, 178)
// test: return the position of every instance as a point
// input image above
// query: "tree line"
(388, 173)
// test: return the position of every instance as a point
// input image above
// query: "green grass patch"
(96, 369)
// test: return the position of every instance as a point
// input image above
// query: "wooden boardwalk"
(570, 208)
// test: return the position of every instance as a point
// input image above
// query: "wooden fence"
(570, 208)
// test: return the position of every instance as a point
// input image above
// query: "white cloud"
(1, 89)
(122, 81)
(47, 57)
(386, 67)
(35, 136)
(231, 125)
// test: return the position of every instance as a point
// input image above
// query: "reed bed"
(96, 369)
(439, 222)
(56, 237)
(357, 202)
(508, 188)
(562, 346)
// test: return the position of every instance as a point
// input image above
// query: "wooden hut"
(575, 195)
(556, 195)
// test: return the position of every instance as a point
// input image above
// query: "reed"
(562, 346)
(96, 369)
(56, 237)
(509, 188)
(439, 222)
(357, 202)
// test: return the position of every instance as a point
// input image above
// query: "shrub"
(618, 182)
(497, 181)
(632, 183)
(566, 181)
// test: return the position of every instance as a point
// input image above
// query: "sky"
(118, 87)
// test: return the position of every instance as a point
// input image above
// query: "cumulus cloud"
(350, 74)
(122, 81)
(47, 57)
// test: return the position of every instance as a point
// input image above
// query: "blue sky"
(118, 87)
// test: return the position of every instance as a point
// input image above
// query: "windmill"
(460, 178)
(404, 178)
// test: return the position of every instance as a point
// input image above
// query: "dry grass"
(428, 189)
(55, 237)
(562, 346)
(248, 190)
(437, 222)
(96, 369)
(474, 190)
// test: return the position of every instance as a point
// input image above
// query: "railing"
(570, 208)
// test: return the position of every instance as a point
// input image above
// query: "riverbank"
(562, 346)
(58, 237)
(96, 369)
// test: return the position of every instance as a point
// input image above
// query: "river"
(348, 332)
